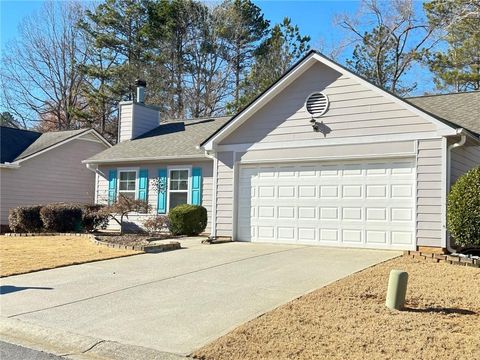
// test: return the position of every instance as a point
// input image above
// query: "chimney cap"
(140, 82)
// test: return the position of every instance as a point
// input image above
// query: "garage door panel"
(329, 235)
(366, 203)
(376, 237)
(307, 233)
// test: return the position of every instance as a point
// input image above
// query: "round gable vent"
(317, 104)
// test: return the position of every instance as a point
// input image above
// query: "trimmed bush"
(25, 219)
(157, 223)
(62, 217)
(94, 218)
(187, 219)
(463, 218)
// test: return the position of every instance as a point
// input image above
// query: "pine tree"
(273, 58)
(457, 68)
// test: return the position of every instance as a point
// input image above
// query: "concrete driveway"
(177, 301)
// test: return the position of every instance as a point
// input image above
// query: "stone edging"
(449, 259)
(172, 245)
(46, 234)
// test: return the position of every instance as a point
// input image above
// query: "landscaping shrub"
(94, 218)
(157, 223)
(187, 219)
(25, 219)
(463, 217)
(62, 217)
(122, 207)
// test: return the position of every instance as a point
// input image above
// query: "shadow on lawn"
(7, 289)
(441, 310)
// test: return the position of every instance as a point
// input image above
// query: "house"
(38, 168)
(322, 157)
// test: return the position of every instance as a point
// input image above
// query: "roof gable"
(50, 140)
(296, 71)
(354, 111)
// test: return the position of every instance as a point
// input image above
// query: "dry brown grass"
(348, 319)
(21, 255)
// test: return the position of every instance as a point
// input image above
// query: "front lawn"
(348, 319)
(21, 255)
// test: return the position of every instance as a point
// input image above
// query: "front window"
(178, 189)
(128, 183)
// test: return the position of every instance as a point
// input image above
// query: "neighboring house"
(38, 168)
(322, 157)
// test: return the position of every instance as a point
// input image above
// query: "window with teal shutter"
(142, 184)
(112, 186)
(162, 191)
(196, 186)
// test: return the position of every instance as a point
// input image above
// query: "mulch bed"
(135, 239)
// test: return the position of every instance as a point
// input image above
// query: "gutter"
(172, 157)
(463, 138)
(8, 165)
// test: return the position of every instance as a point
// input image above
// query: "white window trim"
(189, 189)
(119, 170)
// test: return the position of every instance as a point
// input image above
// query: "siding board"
(429, 193)
(367, 111)
(57, 175)
(463, 159)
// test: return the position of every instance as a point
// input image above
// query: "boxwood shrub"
(187, 219)
(463, 215)
(25, 219)
(62, 217)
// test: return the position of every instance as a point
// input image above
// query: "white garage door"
(358, 204)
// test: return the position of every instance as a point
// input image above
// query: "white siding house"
(322, 157)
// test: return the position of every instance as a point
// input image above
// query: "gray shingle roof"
(462, 109)
(170, 139)
(14, 141)
(47, 140)
(181, 138)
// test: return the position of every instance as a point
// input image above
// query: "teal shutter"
(196, 186)
(162, 191)
(112, 186)
(142, 184)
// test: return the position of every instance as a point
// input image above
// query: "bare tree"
(209, 72)
(40, 77)
(390, 39)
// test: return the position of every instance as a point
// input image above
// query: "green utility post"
(397, 289)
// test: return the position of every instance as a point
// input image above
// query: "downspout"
(461, 142)
(213, 234)
(94, 168)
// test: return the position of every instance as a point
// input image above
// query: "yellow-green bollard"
(397, 289)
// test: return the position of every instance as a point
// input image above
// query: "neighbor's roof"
(14, 141)
(462, 109)
(169, 140)
(47, 140)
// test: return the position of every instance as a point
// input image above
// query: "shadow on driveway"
(7, 289)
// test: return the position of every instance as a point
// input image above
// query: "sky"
(314, 18)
